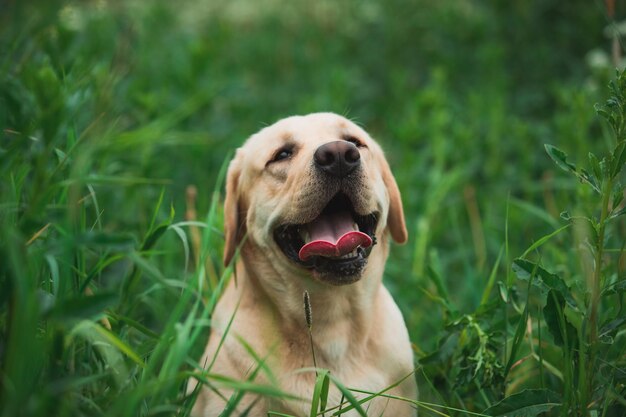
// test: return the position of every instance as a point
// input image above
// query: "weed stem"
(309, 324)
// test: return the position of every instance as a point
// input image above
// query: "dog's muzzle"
(336, 243)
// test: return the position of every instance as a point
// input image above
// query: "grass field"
(512, 283)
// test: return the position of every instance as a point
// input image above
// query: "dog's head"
(312, 193)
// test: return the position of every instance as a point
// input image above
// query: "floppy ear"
(233, 224)
(395, 218)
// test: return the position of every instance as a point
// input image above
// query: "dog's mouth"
(335, 245)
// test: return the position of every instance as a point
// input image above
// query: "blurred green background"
(108, 107)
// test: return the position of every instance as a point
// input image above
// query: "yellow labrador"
(311, 201)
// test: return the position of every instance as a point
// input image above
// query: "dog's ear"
(233, 223)
(395, 218)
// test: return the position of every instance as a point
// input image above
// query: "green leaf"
(504, 292)
(119, 344)
(618, 195)
(441, 290)
(595, 165)
(447, 347)
(528, 403)
(615, 288)
(320, 392)
(156, 232)
(618, 213)
(543, 240)
(518, 338)
(554, 316)
(119, 241)
(601, 112)
(135, 325)
(247, 386)
(584, 176)
(354, 403)
(153, 236)
(536, 211)
(604, 168)
(492, 279)
(261, 362)
(106, 339)
(524, 269)
(618, 158)
(71, 383)
(560, 158)
(520, 330)
(82, 307)
(62, 156)
(610, 329)
(157, 208)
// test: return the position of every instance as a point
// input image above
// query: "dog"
(311, 206)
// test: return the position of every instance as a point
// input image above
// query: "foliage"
(583, 361)
(597, 364)
(512, 285)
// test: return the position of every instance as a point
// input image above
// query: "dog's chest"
(360, 376)
(334, 351)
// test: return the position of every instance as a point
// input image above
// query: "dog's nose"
(337, 158)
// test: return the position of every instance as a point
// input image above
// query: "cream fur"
(358, 331)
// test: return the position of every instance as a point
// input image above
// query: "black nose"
(337, 158)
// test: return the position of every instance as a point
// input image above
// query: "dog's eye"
(354, 140)
(282, 153)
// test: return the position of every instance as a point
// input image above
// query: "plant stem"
(596, 286)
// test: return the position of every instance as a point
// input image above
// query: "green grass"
(109, 110)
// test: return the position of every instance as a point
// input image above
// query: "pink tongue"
(333, 236)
